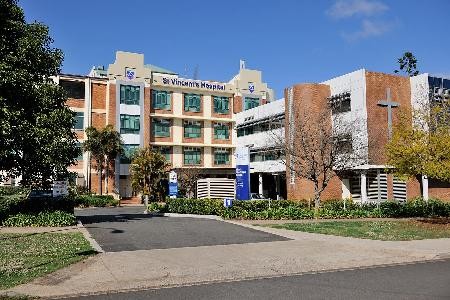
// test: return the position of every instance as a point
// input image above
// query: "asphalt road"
(429, 280)
(128, 229)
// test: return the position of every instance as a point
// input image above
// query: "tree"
(36, 140)
(408, 64)
(147, 169)
(104, 145)
(320, 146)
(420, 143)
(187, 180)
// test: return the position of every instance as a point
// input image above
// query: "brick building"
(361, 98)
(191, 122)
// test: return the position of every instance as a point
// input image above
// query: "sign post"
(242, 173)
(173, 184)
(60, 189)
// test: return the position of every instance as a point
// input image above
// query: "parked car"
(256, 196)
(34, 194)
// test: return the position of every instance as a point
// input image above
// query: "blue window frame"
(192, 102)
(130, 124)
(130, 94)
(161, 100)
(164, 150)
(250, 102)
(221, 131)
(79, 121)
(192, 129)
(128, 153)
(192, 156)
(161, 127)
(221, 156)
(221, 105)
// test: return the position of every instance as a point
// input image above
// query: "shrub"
(14, 204)
(13, 190)
(285, 209)
(95, 201)
(45, 218)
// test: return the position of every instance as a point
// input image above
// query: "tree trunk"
(316, 201)
(100, 180)
(106, 176)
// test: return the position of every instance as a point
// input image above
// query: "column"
(260, 184)
(363, 187)
(277, 185)
(425, 187)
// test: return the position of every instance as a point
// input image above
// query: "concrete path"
(304, 253)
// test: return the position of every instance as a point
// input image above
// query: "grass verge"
(24, 257)
(377, 230)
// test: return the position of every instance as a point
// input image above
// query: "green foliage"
(45, 218)
(95, 201)
(408, 64)
(284, 209)
(104, 145)
(420, 144)
(147, 169)
(13, 190)
(14, 204)
(24, 257)
(36, 140)
(157, 207)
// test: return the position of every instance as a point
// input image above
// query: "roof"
(159, 69)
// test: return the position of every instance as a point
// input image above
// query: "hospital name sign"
(193, 84)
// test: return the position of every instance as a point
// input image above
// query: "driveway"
(128, 229)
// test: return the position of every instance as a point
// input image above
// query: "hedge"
(284, 209)
(44, 218)
(14, 204)
(95, 200)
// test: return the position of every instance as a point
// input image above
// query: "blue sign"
(228, 202)
(130, 73)
(251, 87)
(173, 189)
(242, 182)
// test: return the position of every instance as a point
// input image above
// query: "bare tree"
(319, 145)
(187, 180)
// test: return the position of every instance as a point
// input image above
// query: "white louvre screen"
(399, 188)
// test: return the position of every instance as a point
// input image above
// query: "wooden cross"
(389, 104)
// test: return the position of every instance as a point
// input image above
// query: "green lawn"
(377, 230)
(24, 257)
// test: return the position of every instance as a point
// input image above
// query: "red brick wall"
(237, 104)
(98, 120)
(377, 121)
(309, 99)
(112, 105)
(98, 92)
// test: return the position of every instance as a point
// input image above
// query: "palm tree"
(104, 145)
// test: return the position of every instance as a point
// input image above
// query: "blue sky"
(290, 41)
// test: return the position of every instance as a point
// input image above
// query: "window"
(250, 102)
(128, 153)
(245, 131)
(165, 151)
(129, 94)
(267, 155)
(221, 131)
(129, 124)
(340, 102)
(192, 129)
(343, 144)
(74, 89)
(221, 156)
(161, 100)
(79, 121)
(221, 105)
(161, 127)
(192, 102)
(192, 156)
(80, 147)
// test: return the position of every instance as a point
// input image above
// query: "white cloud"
(368, 29)
(349, 8)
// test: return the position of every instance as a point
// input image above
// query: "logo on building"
(130, 73)
(251, 87)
